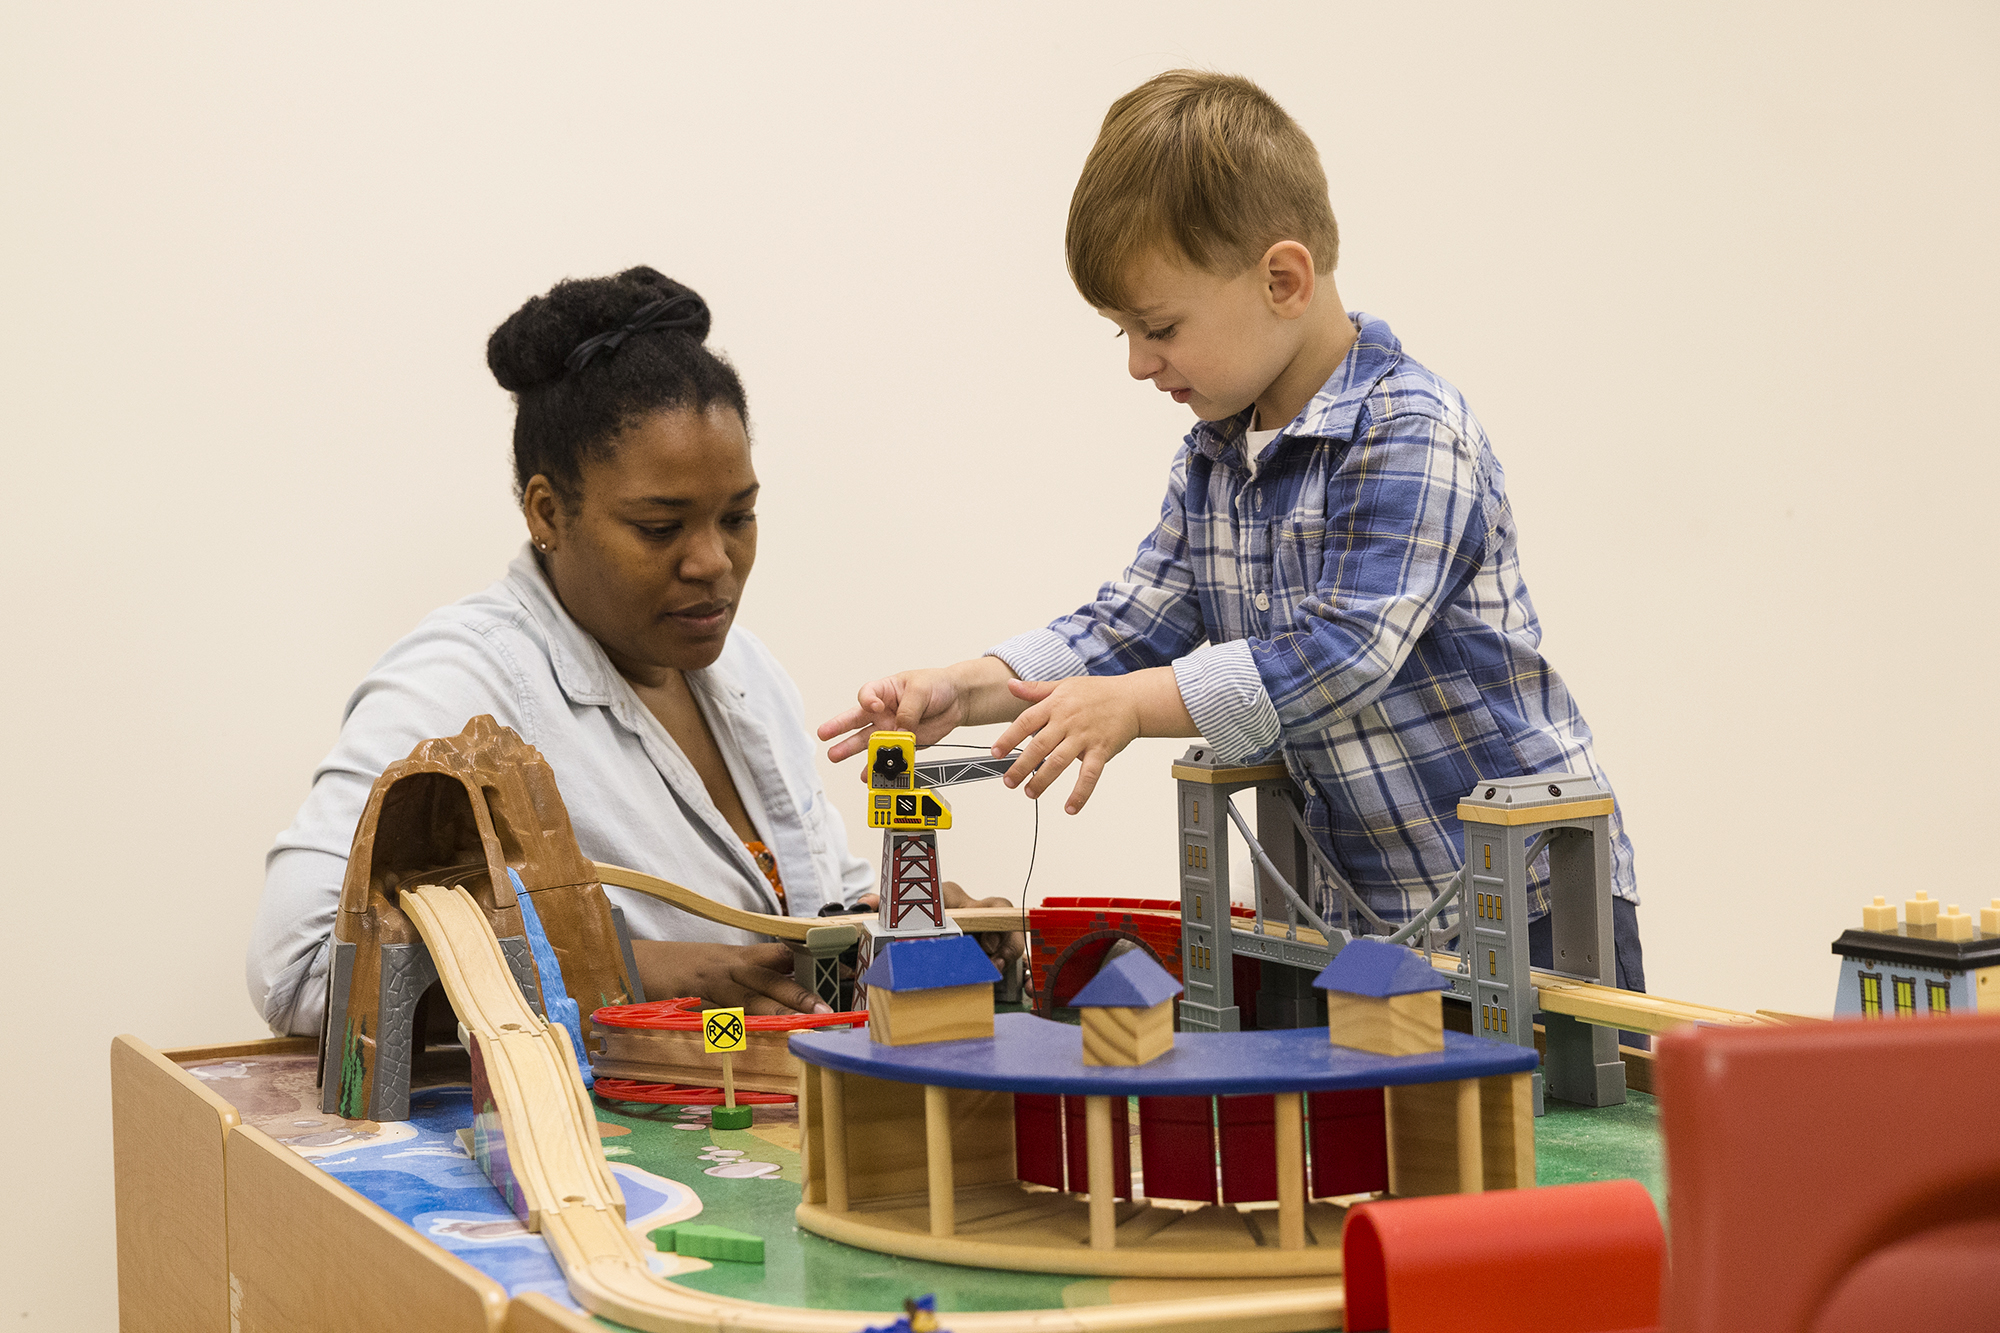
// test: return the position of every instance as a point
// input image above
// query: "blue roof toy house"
(1383, 998)
(1128, 1011)
(937, 989)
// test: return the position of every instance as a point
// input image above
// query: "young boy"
(1334, 576)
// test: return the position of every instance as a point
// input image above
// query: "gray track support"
(816, 962)
(520, 958)
(1500, 817)
(625, 948)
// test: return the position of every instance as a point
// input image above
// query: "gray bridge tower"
(1502, 818)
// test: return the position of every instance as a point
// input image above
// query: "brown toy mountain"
(461, 810)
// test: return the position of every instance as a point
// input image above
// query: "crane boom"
(951, 772)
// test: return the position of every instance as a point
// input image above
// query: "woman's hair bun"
(532, 346)
(584, 368)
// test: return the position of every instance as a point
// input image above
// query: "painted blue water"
(430, 1183)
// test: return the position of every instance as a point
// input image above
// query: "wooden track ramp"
(571, 1198)
(977, 920)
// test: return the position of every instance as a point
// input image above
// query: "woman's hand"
(1003, 947)
(755, 977)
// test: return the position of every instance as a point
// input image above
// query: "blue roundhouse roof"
(1378, 969)
(949, 960)
(1131, 980)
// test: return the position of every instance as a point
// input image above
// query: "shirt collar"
(577, 659)
(1333, 412)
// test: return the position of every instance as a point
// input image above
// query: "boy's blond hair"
(1206, 165)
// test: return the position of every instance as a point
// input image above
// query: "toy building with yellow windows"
(1936, 960)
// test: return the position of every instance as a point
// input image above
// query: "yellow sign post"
(724, 1032)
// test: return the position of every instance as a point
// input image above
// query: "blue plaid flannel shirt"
(1353, 602)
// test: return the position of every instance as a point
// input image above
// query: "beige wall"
(1719, 281)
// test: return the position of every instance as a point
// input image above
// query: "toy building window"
(1871, 994)
(1938, 994)
(1905, 991)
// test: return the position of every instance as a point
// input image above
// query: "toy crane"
(904, 803)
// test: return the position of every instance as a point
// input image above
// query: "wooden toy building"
(1127, 1011)
(940, 992)
(1013, 1150)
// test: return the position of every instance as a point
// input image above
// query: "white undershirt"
(1255, 442)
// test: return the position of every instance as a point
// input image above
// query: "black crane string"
(1034, 842)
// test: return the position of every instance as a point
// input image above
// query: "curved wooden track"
(570, 1197)
(976, 920)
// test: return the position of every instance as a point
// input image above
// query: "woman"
(678, 741)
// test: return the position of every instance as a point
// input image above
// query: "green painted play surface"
(1571, 1144)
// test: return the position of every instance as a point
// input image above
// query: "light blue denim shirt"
(633, 797)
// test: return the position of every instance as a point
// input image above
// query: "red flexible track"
(684, 1015)
(672, 1094)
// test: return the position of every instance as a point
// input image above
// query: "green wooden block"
(698, 1240)
(729, 1117)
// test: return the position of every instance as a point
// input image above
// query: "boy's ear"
(1288, 279)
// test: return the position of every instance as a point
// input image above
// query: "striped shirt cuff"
(1226, 698)
(1040, 654)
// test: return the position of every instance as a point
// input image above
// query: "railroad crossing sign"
(722, 1031)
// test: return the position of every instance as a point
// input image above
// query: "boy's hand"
(925, 701)
(1088, 719)
(932, 702)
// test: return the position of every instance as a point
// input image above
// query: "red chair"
(1827, 1177)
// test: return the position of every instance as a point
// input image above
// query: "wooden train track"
(976, 920)
(567, 1193)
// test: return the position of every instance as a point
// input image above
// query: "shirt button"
(1263, 602)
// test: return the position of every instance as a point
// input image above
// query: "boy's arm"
(929, 701)
(1410, 509)
(1144, 619)
(1088, 719)
(1135, 641)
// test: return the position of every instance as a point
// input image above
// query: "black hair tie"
(668, 313)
